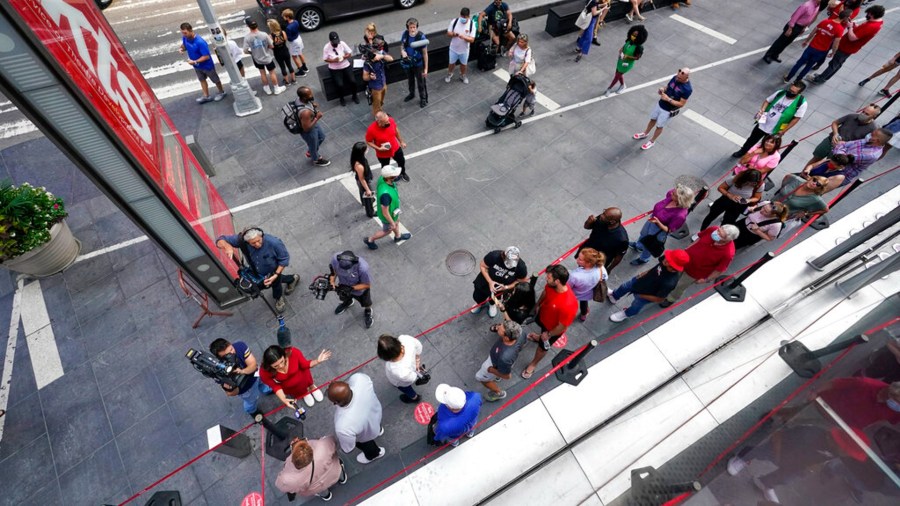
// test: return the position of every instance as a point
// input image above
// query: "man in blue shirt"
(350, 278)
(267, 257)
(199, 58)
(457, 415)
(500, 21)
(238, 353)
(671, 99)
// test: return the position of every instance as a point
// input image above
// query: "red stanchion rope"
(262, 462)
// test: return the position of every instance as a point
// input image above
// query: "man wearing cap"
(357, 416)
(710, 256)
(556, 310)
(350, 279)
(384, 137)
(336, 54)
(650, 286)
(457, 415)
(500, 271)
(388, 207)
(503, 355)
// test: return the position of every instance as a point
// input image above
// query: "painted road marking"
(10, 353)
(539, 97)
(350, 185)
(705, 29)
(39, 336)
(713, 127)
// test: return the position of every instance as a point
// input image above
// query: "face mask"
(715, 236)
(894, 405)
(791, 95)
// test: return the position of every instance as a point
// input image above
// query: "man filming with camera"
(350, 279)
(267, 258)
(374, 71)
(238, 354)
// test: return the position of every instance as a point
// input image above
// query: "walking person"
(359, 166)
(893, 63)
(555, 312)
(259, 46)
(820, 46)
(337, 54)
(671, 99)
(402, 364)
(417, 66)
(709, 257)
(635, 11)
(289, 374)
(499, 363)
(462, 32)
(499, 272)
(388, 211)
(604, 10)
(384, 137)
(583, 43)
(295, 42)
(351, 279)
(668, 215)
(457, 415)
(650, 286)
(802, 17)
(856, 36)
(312, 468)
(631, 52)
(585, 277)
(737, 193)
(357, 416)
(199, 57)
(281, 52)
(309, 114)
(778, 113)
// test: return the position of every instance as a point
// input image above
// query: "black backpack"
(292, 118)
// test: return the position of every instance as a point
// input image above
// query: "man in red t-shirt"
(384, 137)
(711, 255)
(861, 402)
(857, 36)
(820, 46)
(555, 312)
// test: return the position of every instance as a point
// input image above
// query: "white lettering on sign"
(122, 91)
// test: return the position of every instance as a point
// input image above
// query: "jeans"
(415, 78)
(251, 396)
(314, 138)
(810, 58)
(648, 229)
(837, 61)
(398, 157)
(344, 80)
(783, 41)
(683, 283)
(584, 41)
(409, 391)
(277, 289)
(637, 304)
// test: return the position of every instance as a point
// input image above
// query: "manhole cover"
(460, 263)
(692, 182)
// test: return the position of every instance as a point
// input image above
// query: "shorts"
(240, 65)
(552, 339)
(823, 149)
(267, 66)
(295, 46)
(203, 75)
(387, 227)
(461, 58)
(661, 116)
(483, 375)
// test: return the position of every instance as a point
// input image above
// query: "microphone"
(419, 43)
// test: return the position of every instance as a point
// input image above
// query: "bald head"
(339, 393)
(382, 118)
(612, 216)
(683, 75)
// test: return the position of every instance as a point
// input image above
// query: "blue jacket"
(270, 255)
(451, 425)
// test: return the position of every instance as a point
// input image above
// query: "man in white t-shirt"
(462, 33)
(357, 416)
(778, 113)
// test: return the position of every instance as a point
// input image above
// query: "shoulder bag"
(584, 19)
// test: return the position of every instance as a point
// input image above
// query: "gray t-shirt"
(360, 420)
(357, 274)
(503, 356)
(850, 129)
(746, 191)
(258, 43)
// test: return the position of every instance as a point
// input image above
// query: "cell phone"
(743, 200)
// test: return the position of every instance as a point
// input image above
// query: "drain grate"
(460, 262)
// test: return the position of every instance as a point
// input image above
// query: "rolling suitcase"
(487, 59)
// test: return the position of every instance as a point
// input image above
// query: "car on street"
(313, 13)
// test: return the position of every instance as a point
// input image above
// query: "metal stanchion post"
(574, 371)
(884, 268)
(279, 435)
(856, 239)
(238, 446)
(822, 222)
(735, 291)
(806, 363)
(245, 102)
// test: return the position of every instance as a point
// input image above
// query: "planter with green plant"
(34, 236)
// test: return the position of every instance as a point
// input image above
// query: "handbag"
(584, 19)
(532, 66)
(601, 291)
(423, 376)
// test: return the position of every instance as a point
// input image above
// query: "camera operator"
(267, 258)
(238, 354)
(374, 71)
(502, 26)
(350, 279)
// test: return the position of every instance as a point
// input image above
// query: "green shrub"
(26, 215)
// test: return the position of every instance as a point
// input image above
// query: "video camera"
(219, 370)
(321, 286)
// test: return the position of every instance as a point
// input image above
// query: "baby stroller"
(503, 112)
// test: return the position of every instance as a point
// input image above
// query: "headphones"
(412, 20)
(249, 229)
(347, 256)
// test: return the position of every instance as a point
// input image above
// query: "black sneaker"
(322, 162)
(343, 307)
(327, 497)
(885, 92)
(595, 42)
(423, 103)
(405, 399)
(355, 99)
(403, 237)
(289, 289)
(369, 318)
(370, 244)
(301, 73)
(409, 97)
(404, 177)
(343, 102)
(343, 478)
(665, 303)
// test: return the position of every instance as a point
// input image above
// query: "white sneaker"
(736, 465)
(476, 310)
(638, 136)
(695, 237)
(267, 89)
(622, 88)
(279, 90)
(647, 145)
(618, 317)
(471, 434)
(308, 399)
(219, 96)
(609, 295)
(317, 395)
(769, 493)
(492, 311)
(465, 79)
(361, 458)
(448, 78)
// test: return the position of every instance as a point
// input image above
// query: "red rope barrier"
(262, 462)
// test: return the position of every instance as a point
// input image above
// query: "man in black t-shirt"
(500, 271)
(650, 286)
(608, 236)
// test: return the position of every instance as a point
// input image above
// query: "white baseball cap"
(452, 397)
(512, 257)
(390, 170)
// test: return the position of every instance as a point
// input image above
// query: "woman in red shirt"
(288, 373)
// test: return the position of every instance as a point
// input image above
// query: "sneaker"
(608, 92)
(885, 92)
(785, 79)
(470, 435)
(736, 465)
(695, 237)
(465, 79)
(279, 90)
(405, 399)
(665, 303)
(289, 289)
(355, 99)
(647, 145)
(617, 317)
(642, 18)
(369, 318)
(455, 443)
(267, 90)
(322, 162)
(610, 297)
(327, 497)
(404, 176)
(423, 103)
(279, 305)
(342, 307)
(361, 458)
(317, 394)
(582, 317)
(768, 493)
(629, 17)
(308, 399)
(638, 136)
(595, 42)
(301, 72)
(863, 82)
(219, 96)
(638, 261)
(492, 310)
(621, 89)
(403, 237)
(344, 477)
(370, 244)
(204, 99)
(492, 397)
(409, 97)
(578, 58)
(477, 309)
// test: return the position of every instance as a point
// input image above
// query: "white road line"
(350, 185)
(109, 249)
(39, 336)
(12, 129)
(708, 31)
(713, 127)
(539, 97)
(10, 353)
(192, 8)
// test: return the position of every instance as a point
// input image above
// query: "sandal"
(526, 374)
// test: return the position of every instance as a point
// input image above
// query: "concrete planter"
(52, 257)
